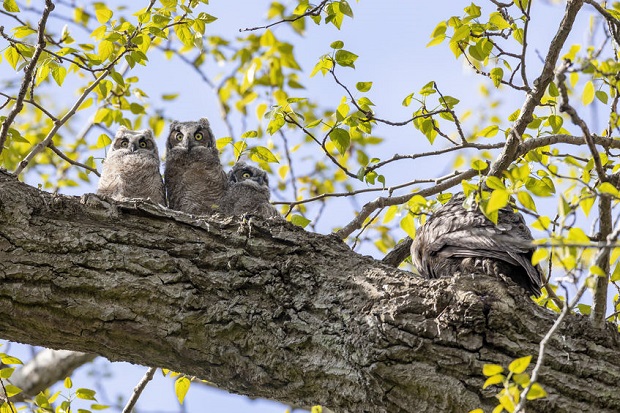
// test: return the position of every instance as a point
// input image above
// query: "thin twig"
(71, 161)
(542, 346)
(28, 75)
(313, 12)
(534, 96)
(137, 391)
(382, 202)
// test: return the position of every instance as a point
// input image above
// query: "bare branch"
(313, 12)
(534, 96)
(382, 202)
(28, 74)
(137, 391)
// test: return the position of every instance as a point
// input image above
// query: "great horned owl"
(193, 175)
(131, 168)
(248, 192)
(460, 240)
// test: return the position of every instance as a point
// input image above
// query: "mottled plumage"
(457, 240)
(193, 176)
(131, 168)
(248, 192)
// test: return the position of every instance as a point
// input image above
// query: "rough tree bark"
(269, 310)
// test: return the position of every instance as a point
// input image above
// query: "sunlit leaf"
(519, 365)
(181, 386)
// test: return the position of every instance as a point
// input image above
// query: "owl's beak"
(133, 147)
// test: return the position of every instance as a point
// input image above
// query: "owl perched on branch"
(131, 168)
(459, 240)
(193, 175)
(248, 192)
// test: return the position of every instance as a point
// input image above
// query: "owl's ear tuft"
(174, 124)
(204, 122)
(147, 133)
(121, 130)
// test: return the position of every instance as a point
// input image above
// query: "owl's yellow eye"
(198, 136)
(178, 136)
(142, 144)
(246, 175)
(124, 143)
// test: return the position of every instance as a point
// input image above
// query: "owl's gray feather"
(194, 178)
(459, 240)
(248, 192)
(131, 168)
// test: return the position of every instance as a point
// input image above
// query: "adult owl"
(248, 192)
(131, 168)
(193, 175)
(456, 239)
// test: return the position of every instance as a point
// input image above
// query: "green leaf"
(489, 131)
(96, 406)
(536, 392)
(10, 6)
(6, 359)
(497, 379)
(363, 86)
(519, 365)
(68, 383)
(407, 224)
(607, 188)
(578, 235)
(337, 44)
(58, 73)
(497, 74)
(539, 255)
(461, 33)
(181, 386)
(341, 139)
(494, 182)
(102, 141)
(526, 200)
(102, 13)
(615, 276)
(499, 199)
(300, 221)
(345, 58)
(184, 34)
(85, 394)
(588, 93)
(555, 122)
(12, 56)
(602, 96)
(11, 390)
(262, 154)
(275, 124)
(492, 369)
(6, 372)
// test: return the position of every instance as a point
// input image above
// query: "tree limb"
(268, 310)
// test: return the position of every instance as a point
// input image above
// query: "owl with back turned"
(458, 238)
(193, 175)
(131, 168)
(248, 192)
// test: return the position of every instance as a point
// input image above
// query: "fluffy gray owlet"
(131, 168)
(194, 178)
(248, 192)
(459, 240)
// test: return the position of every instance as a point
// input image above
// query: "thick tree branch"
(268, 310)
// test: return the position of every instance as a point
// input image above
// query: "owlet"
(248, 192)
(193, 175)
(131, 168)
(460, 239)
